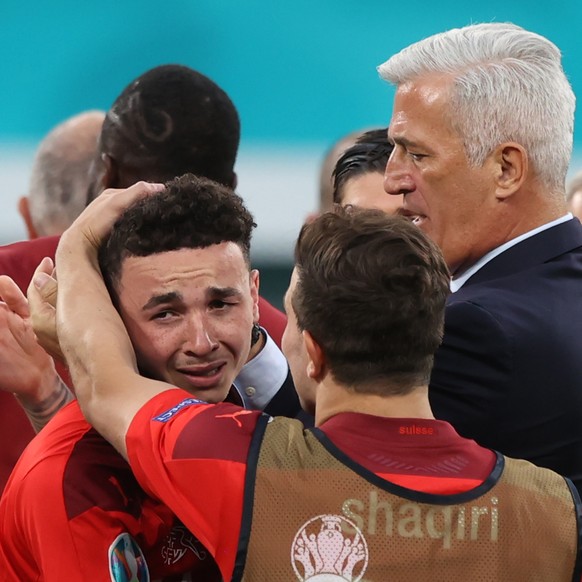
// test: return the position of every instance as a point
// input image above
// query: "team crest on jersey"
(179, 542)
(329, 548)
(126, 561)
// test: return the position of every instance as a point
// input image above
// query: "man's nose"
(200, 340)
(397, 178)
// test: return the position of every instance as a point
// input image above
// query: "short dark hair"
(170, 121)
(371, 290)
(370, 153)
(191, 212)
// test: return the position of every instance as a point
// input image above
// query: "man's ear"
(255, 280)
(512, 166)
(316, 368)
(24, 210)
(110, 172)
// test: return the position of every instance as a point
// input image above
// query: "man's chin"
(210, 394)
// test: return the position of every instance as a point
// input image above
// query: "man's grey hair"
(60, 173)
(509, 85)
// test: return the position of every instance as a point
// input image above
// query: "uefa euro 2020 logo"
(329, 548)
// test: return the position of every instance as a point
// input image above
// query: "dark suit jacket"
(509, 371)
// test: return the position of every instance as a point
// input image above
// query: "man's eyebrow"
(162, 299)
(224, 292)
(402, 141)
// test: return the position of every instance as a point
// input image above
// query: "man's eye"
(416, 156)
(218, 304)
(163, 315)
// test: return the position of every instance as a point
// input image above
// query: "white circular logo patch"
(329, 548)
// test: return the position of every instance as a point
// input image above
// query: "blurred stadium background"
(301, 73)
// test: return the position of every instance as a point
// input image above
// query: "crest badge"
(178, 543)
(329, 548)
(126, 561)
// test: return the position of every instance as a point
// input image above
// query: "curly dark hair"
(370, 153)
(371, 290)
(192, 212)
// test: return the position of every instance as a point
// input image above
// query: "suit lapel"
(538, 249)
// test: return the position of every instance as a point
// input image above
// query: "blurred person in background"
(358, 176)
(59, 177)
(57, 194)
(327, 167)
(574, 195)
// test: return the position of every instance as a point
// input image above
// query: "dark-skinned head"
(170, 121)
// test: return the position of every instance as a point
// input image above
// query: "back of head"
(371, 290)
(60, 174)
(170, 121)
(192, 212)
(507, 85)
(370, 153)
(327, 167)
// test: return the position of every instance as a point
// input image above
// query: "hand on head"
(97, 220)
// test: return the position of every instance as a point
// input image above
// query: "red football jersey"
(72, 510)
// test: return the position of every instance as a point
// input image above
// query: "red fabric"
(15, 433)
(19, 260)
(69, 498)
(273, 320)
(193, 455)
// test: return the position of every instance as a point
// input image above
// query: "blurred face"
(293, 347)
(576, 204)
(367, 191)
(189, 315)
(452, 201)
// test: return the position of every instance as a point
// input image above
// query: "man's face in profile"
(367, 191)
(189, 315)
(293, 346)
(450, 199)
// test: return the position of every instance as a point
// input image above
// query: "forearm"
(95, 344)
(92, 336)
(41, 409)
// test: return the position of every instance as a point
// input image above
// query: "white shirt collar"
(262, 377)
(459, 281)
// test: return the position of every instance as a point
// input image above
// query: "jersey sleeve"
(273, 320)
(192, 456)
